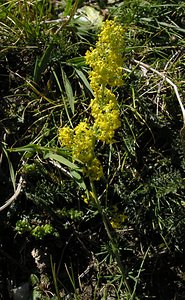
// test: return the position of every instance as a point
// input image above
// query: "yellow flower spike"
(106, 59)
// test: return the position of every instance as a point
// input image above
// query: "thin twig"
(172, 59)
(168, 81)
(67, 21)
(58, 166)
(2, 141)
(15, 195)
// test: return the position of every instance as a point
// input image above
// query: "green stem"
(112, 239)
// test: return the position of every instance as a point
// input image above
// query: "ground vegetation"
(92, 143)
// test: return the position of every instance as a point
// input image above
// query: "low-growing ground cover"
(92, 149)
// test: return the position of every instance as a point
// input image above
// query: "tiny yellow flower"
(85, 199)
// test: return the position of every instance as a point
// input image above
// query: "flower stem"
(112, 238)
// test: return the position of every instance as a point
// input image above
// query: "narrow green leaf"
(27, 148)
(62, 160)
(64, 101)
(78, 178)
(84, 80)
(177, 28)
(76, 62)
(33, 148)
(68, 89)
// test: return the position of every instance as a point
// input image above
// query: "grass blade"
(62, 160)
(64, 101)
(68, 89)
(84, 80)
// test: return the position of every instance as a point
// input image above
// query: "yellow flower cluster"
(106, 59)
(66, 137)
(104, 109)
(106, 63)
(81, 142)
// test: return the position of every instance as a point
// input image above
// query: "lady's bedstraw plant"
(106, 63)
(106, 72)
